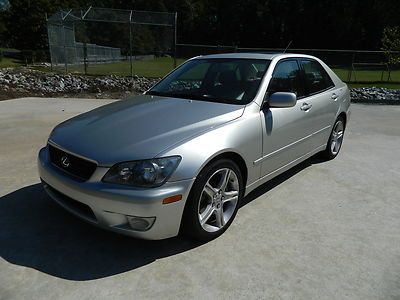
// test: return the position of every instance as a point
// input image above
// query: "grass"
(367, 75)
(161, 66)
(7, 62)
(146, 68)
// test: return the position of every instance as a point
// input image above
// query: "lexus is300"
(182, 156)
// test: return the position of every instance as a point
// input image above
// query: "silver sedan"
(181, 157)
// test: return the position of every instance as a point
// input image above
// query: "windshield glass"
(234, 81)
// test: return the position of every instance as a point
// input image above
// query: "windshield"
(227, 80)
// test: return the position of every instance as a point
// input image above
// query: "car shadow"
(35, 232)
(269, 185)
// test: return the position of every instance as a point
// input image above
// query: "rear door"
(320, 102)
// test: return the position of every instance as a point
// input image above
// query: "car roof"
(268, 56)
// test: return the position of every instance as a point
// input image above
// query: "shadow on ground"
(36, 233)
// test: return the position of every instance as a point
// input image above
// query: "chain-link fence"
(100, 41)
(110, 41)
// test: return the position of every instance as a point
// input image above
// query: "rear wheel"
(335, 140)
(213, 201)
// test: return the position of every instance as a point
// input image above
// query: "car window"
(317, 79)
(228, 80)
(191, 79)
(287, 78)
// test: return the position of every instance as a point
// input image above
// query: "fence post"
(85, 63)
(130, 43)
(49, 42)
(130, 48)
(65, 49)
(175, 37)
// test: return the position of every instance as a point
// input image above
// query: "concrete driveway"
(324, 230)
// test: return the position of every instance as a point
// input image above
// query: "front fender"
(242, 136)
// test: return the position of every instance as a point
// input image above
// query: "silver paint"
(268, 141)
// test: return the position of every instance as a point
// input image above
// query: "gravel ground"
(25, 82)
(323, 230)
(375, 95)
(21, 82)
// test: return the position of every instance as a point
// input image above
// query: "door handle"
(306, 107)
(334, 97)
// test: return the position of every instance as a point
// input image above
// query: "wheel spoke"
(210, 191)
(337, 145)
(333, 145)
(225, 179)
(209, 211)
(220, 222)
(230, 196)
(230, 199)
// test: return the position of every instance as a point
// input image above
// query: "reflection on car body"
(182, 156)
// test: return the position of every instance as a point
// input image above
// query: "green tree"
(26, 22)
(391, 46)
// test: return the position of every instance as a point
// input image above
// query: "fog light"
(140, 224)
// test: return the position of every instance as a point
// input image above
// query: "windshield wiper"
(187, 96)
(177, 95)
(155, 93)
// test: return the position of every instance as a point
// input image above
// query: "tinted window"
(287, 78)
(317, 79)
(193, 78)
(233, 81)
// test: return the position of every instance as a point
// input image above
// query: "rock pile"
(39, 83)
(375, 95)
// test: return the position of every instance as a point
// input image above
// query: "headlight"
(144, 173)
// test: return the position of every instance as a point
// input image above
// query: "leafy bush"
(1, 55)
(391, 45)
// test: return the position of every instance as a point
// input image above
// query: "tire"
(335, 140)
(211, 208)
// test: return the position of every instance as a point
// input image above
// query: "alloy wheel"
(218, 200)
(337, 137)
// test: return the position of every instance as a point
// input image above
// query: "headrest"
(228, 78)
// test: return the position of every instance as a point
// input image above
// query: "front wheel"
(213, 201)
(335, 140)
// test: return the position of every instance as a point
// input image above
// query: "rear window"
(317, 79)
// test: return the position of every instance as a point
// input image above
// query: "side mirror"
(282, 100)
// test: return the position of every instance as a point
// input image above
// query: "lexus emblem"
(65, 161)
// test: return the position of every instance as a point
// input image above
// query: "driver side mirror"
(281, 100)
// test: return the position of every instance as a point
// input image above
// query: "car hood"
(139, 127)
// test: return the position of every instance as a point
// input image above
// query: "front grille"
(76, 206)
(73, 165)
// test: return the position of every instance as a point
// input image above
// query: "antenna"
(287, 46)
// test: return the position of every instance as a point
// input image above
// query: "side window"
(287, 78)
(317, 79)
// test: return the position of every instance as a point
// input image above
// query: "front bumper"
(108, 205)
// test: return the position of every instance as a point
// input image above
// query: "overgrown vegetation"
(343, 24)
(391, 46)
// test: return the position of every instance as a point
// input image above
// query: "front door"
(285, 130)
